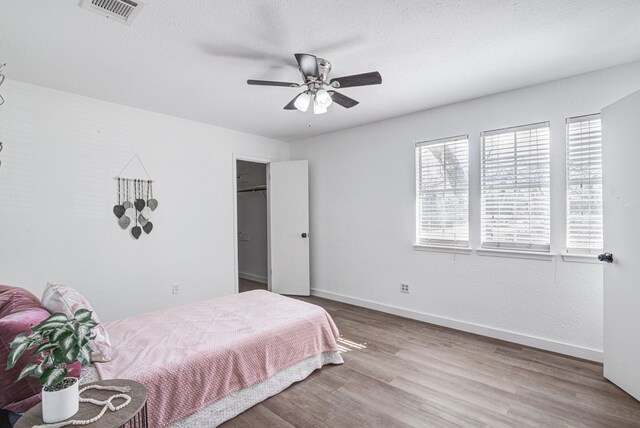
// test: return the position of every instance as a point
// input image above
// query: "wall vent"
(121, 10)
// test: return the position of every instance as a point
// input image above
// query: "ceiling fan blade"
(272, 83)
(308, 65)
(343, 100)
(291, 105)
(373, 78)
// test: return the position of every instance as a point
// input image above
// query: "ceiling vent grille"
(121, 10)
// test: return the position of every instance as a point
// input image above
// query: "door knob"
(606, 257)
(304, 235)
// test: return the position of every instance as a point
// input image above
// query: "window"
(515, 168)
(584, 184)
(442, 192)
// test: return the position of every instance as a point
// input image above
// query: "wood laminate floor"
(404, 373)
(248, 285)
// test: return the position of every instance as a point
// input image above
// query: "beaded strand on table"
(106, 403)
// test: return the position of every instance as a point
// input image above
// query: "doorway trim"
(257, 159)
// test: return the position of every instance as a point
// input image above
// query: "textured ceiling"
(191, 59)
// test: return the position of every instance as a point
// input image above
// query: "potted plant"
(58, 341)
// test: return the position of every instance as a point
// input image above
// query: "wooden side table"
(133, 415)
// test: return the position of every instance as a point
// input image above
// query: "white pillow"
(60, 298)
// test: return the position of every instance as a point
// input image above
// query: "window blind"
(442, 192)
(515, 184)
(584, 184)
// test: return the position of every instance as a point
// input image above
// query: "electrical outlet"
(404, 287)
(175, 288)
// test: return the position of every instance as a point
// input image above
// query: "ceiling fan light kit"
(302, 101)
(323, 99)
(315, 73)
(318, 110)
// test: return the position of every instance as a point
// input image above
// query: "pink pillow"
(14, 299)
(60, 298)
(20, 310)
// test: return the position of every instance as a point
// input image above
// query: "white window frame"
(593, 155)
(422, 241)
(506, 240)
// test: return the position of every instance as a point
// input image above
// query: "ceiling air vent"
(121, 10)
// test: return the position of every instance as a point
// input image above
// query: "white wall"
(57, 192)
(362, 192)
(252, 222)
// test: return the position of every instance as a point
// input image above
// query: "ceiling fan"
(315, 72)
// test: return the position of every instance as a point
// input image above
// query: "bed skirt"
(235, 403)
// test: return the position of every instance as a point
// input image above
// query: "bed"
(206, 362)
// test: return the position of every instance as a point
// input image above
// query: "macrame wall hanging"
(135, 202)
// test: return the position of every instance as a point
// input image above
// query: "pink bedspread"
(191, 356)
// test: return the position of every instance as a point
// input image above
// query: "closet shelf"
(252, 189)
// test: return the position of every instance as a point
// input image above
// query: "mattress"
(212, 353)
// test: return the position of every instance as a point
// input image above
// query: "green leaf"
(39, 370)
(67, 341)
(45, 347)
(55, 320)
(85, 355)
(22, 337)
(84, 334)
(83, 315)
(16, 353)
(27, 370)
(46, 329)
(35, 338)
(58, 334)
(53, 376)
(66, 356)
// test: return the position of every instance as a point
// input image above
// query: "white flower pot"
(60, 405)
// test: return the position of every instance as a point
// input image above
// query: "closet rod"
(252, 189)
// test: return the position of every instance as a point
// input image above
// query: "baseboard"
(509, 336)
(252, 277)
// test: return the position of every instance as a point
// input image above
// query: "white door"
(289, 227)
(621, 192)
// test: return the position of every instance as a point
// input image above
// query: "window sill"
(580, 258)
(514, 254)
(442, 249)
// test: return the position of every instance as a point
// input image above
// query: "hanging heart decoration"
(135, 203)
(142, 220)
(139, 204)
(136, 231)
(124, 222)
(152, 203)
(118, 209)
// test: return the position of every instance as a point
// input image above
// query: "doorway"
(271, 225)
(252, 225)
